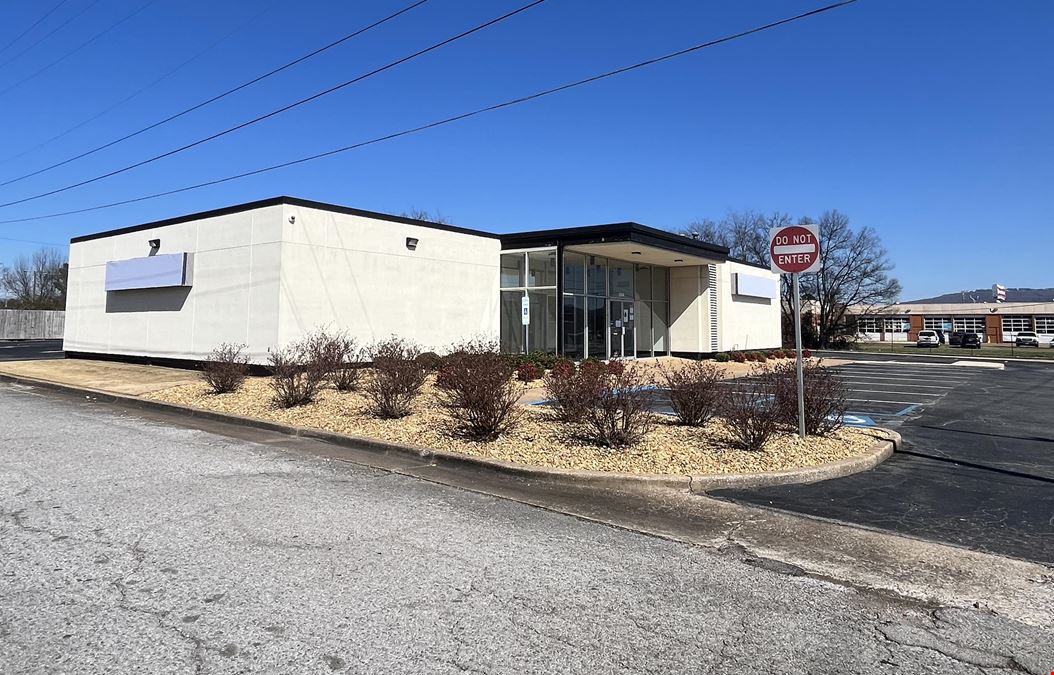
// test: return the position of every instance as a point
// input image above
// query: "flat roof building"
(998, 322)
(266, 273)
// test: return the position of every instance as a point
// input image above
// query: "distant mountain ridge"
(985, 295)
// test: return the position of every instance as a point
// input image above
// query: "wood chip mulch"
(537, 439)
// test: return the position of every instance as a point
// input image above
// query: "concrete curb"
(886, 441)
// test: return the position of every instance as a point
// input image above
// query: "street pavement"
(24, 350)
(128, 545)
(976, 468)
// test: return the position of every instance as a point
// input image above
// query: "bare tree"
(37, 281)
(854, 267)
(854, 273)
(421, 214)
(744, 233)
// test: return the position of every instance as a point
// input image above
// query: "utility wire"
(51, 32)
(283, 109)
(137, 92)
(449, 120)
(36, 23)
(219, 96)
(32, 241)
(73, 51)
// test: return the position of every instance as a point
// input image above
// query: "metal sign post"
(797, 347)
(796, 249)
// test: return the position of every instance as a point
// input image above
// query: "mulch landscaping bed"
(537, 439)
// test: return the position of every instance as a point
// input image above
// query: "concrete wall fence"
(31, 324)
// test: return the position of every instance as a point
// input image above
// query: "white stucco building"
(265, 273)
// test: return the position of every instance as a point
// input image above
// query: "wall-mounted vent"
(712, 290)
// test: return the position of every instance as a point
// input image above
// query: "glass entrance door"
(621, 334)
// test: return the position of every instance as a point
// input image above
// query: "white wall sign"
(525, 310)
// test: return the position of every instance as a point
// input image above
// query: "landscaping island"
(538, 438)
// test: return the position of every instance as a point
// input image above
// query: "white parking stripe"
(871, 400)
(871, 383)
(908, 376)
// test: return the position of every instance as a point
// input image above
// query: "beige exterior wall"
(262, 281)
(747, 322)
(234, 297)
(689, 309)
(356, 274)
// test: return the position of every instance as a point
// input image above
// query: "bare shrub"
(750, 410)
(226, 368)
(336, 355)
(825, 398)
(619, 414)
(396, 379)
(693, 390)
(296, 376)
(478, 390)
(571, 390)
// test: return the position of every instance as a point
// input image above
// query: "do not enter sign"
(794, 249)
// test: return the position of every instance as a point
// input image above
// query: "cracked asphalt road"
(131, 546)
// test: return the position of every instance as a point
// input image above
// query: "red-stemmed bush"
(693, 390)
(478, 391)
(527, 372)
(396, 378)
(825, 397)
(750, 410)
(296, 374)
(226, 368)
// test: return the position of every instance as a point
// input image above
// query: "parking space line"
(874, 400)
(897, 384)
(900, 373)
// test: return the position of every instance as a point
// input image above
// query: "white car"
(928, 338)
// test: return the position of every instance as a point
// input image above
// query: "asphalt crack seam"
(907, 635)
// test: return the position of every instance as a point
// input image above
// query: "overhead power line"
(76, 49)
(201, 52)
(449, 120)
(219, 96)
(278, 111)
(34, 25)
(51, 32)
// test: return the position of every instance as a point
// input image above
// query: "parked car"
(956, 339)
(941, 336)
(970, 341)
(928, 338)
(1026, 338)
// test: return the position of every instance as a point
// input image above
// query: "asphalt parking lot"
(976, 468)
(24, 350)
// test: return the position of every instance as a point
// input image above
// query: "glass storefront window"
(512, 332)
(541, 334)
(660, 288)
(512, 270)
(643, 282)
(659, 327)
(574, 319)
(644, 340)
(574, 273)
(596, 275)
(541, 268)
(621, 284)
(597, 327)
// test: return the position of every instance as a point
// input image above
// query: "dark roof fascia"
(750, 264)
(614, 232)
(276, 201)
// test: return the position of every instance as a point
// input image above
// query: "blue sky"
(929, 121)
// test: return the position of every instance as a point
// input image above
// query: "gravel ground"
(537, 439)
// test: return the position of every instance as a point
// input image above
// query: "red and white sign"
(794, 249)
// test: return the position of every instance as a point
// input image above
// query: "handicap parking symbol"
(857, 421)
